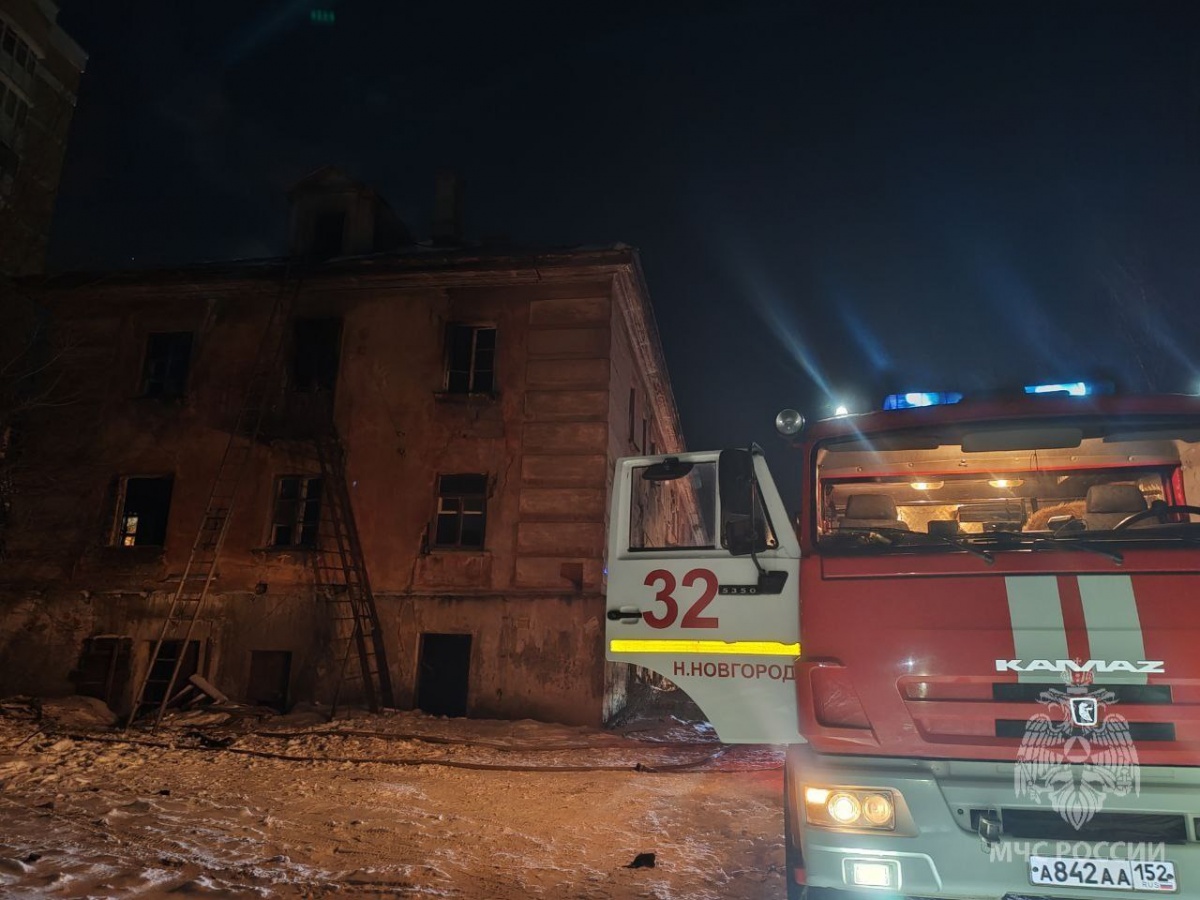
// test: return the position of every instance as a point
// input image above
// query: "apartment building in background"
(40, 70)
(481, 396)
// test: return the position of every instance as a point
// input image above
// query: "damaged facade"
(481, 398)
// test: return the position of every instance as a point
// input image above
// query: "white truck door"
(686, 598)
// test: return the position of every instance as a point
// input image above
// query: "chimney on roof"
(447, 210)
(335, 215)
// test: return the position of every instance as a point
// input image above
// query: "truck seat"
(871, 511)
(1108, 504)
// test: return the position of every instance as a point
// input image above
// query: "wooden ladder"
(194, 585)
(341, 571)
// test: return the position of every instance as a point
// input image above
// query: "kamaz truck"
(979, 638)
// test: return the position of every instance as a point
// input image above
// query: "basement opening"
(103, 670)
(160, 674)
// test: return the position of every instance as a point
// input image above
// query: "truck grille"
(1130, 694)
(975, 710)
(1048, 825)
(1138, 731)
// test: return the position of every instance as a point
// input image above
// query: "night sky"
(832, 200)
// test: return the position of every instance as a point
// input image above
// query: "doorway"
(270, 673)
(444, 672)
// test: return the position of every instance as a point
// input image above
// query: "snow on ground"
(400, 804)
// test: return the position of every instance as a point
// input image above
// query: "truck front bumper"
(937, 853)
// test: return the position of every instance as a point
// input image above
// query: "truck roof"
(995, 409)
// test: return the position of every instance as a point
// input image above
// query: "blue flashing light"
(917, 399)
(1071, 388)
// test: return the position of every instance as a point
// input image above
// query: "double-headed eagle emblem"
(1076, 754)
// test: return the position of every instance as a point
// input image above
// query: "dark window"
(461, 511)
(297, 518)
(168, 355)
(645, 435)
(329, 231)
(9, 161)
(471, 359)
(316, 352)
(10, 42)
(145, 504)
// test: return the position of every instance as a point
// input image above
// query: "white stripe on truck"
(1113, 626)
(1037, 621)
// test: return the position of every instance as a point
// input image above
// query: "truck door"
(703, 577)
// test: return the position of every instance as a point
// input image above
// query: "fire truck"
(977, 638)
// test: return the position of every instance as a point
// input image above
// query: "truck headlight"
(835, 807)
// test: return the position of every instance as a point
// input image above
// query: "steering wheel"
(1157, 508)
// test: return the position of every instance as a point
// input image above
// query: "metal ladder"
(341, 570)
(194, 585)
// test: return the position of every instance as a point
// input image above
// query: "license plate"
(1113, 874)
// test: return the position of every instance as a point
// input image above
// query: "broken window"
(145, 503)
(470, 359)
(462, 504)
(165, 371)
(297, 518)
(316, 352)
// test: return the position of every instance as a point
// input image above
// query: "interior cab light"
(927, 485)
(1006, 482)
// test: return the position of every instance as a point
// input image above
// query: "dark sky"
(832, 200)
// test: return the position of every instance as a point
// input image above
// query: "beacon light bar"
(1073, 388)
(917, 399)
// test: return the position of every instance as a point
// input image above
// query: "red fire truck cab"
(977, 638)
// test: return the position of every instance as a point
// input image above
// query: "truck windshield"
(1010, 486)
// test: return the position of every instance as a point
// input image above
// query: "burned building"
(462, 406)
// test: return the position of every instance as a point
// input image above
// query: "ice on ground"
(395, 804)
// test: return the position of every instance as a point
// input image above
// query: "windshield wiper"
(1045, 543)
(891, 534)
(1076, 542)
(964, 543)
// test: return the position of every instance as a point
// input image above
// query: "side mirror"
(670, 469)
(743, 530)
(735, 474)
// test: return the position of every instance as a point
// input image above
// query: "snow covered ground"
(395, 805)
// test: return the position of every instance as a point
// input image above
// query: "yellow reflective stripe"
(734, 648)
